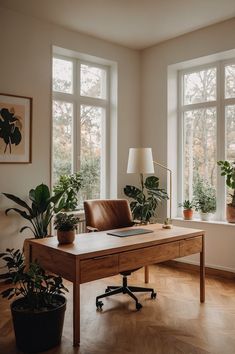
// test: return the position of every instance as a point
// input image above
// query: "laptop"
(131, 232)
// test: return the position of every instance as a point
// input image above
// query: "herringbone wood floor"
(174, 323)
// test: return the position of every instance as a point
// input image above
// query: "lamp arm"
(166, 168)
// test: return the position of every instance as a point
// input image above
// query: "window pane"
(200, 86)
(62, 75)
(199, 148)
(62, 138)
(230, 139)
(230, 81)
(92, 119)
(93, 81)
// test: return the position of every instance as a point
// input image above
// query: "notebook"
(132, 232)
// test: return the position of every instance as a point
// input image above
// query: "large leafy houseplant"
(146, 198)
(70, 186)
(228, 170)
(40, 307)
(39, 211)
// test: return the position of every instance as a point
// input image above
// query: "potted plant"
(146, 199)
(228, 170)
(38, 314)
(70, 186)
(187, 209)
(41, 210)
(65, 224)
(205, 198)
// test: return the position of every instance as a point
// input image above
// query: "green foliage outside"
(146, 199)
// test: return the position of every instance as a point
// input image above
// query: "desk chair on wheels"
(102, 215)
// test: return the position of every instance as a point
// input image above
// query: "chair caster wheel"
(99, 305)
(153, 295)
(138, 306)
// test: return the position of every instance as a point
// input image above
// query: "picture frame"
(15, 129)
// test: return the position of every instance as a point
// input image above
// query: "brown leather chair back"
(108, 214)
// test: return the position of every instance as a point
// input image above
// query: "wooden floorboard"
(175, 323)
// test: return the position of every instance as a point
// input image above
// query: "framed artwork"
(15, 128)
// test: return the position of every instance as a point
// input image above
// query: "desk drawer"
(98, 267)
(190, 246)
(149, 255)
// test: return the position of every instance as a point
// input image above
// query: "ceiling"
(136, 24)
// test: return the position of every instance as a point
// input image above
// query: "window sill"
(211, 222)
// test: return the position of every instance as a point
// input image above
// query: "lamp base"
(167, 226)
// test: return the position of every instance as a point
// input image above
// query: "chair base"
(124, 289)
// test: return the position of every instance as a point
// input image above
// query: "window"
(80, 122)
(207, 123)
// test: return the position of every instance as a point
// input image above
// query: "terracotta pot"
(188, 214)
(65, 236)
(230, 213)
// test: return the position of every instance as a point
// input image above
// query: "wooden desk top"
(96, 243)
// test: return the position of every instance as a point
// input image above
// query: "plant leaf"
(17, 201)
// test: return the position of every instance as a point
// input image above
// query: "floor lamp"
(140, 161)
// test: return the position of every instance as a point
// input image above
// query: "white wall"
(154, 117)
(25, 69)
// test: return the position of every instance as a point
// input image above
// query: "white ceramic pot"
(205, 216)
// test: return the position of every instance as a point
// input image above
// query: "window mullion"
(181, 140)
(77, 130)
(220, 141)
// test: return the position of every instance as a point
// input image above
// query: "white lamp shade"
(140, 160)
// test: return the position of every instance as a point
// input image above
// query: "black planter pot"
(36, 332)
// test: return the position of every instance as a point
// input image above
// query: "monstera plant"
(145, 199)
(39, 211)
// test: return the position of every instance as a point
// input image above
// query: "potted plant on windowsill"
(228, 170)
(187, 209)
(38, 314)
(205, 199)
(66, 225)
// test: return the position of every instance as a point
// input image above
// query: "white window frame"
(220, 104)
(77, 100)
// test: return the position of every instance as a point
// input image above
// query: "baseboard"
(196, 268)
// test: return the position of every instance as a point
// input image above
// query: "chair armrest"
(91, 229)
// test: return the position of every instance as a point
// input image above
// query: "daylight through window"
(207, 121)
(80, 116)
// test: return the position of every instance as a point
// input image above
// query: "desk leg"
(146, 274)
(76, 313)
(202, 271)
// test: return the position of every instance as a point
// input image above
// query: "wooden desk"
(97, 255)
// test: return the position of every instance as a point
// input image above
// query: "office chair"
(102, 215)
